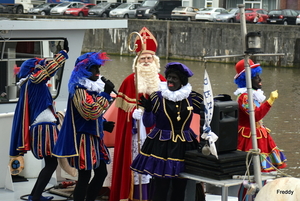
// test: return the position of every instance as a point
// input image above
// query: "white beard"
(148, 77)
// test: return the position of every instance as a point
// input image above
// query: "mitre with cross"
(148, 41)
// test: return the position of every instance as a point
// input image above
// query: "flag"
(208, 134)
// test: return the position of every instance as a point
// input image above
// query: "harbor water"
(283, 118)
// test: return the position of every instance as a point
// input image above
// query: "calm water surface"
(283, 117)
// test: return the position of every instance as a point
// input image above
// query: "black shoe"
(42, 198)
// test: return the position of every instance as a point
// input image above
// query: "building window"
(253, 4)
(13, 52)
(208, 4)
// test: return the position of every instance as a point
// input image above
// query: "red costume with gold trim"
(265, 142)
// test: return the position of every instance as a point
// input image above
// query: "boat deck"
(23, 188)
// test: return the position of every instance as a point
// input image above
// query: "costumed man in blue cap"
(34, 125)
(171, 110)
(271, 157)
(81, 135)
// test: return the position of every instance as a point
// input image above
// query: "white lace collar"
(257, 94)
(90, 85)
(177, 95)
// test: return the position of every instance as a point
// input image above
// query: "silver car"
(102, 9)
(62, 7)
(125, 10)
(228, 16)
(42, 9)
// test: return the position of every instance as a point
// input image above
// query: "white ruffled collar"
(96, 86)
(258, 94)
(177, 95)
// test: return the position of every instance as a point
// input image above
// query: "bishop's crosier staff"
(136, 93)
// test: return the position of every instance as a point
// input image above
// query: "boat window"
(13, 52)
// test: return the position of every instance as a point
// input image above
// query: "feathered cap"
(148, 43)
(240, 77)
(28, 66)
(83, 65)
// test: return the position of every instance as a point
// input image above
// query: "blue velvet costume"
(81, 135)
(35, 98)
(81, 129)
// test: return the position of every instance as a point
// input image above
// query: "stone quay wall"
(196, 40)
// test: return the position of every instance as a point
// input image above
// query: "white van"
(157, 9)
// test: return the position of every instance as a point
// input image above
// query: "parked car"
(102, 9)
(156, 9)
(42, 9)
(250, 14)
(125, 10)
(81, 10)
(62, 7)
(298, 19)
(184, 13)
(282, 16)
(209, 13)
(228, 16)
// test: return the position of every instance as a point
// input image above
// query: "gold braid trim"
(50, 68)
(43, 75)
(197, 99)
(78, 98)
(156, 104)
(124, 105)
(89, 111)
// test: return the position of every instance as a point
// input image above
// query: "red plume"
(16, 69)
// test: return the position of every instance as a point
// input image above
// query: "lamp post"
(253, 44)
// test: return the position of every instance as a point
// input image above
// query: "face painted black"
(173, 81)
(256, 82)
(95, 70)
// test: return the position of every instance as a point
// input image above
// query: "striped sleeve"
(88, 107)
(48, 70)
(155, 101)
(197, 100)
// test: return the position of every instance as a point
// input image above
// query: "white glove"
(137, 114)
(212, 138)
